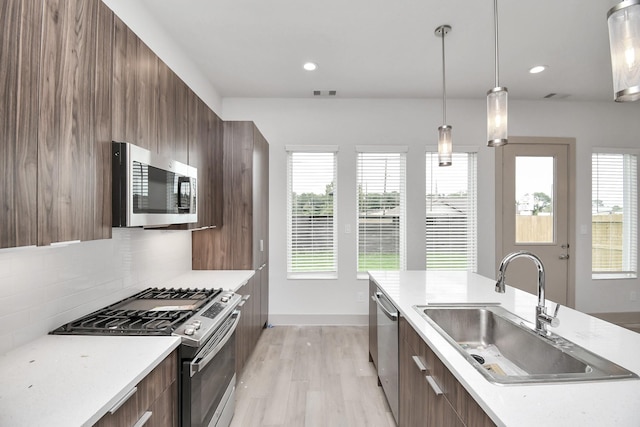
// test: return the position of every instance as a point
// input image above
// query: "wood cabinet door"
(260, 198)
(157, 393)
(172, 115)
(440, 402)
(74, 127)
(244, 331)
(204, 133)
(230, 246)
(124, 107)
(19, 66)
(135, 90)
(215, 173)
(414, 395)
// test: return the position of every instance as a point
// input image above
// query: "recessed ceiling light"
(538, 69)
(310, 66)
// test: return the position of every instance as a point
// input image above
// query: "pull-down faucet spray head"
(500, 283)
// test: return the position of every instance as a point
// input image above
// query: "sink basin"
(505, 350)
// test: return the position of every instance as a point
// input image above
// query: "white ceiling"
(387, 48)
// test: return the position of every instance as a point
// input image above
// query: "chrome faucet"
(542, 318)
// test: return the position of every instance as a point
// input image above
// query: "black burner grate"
(161, 319)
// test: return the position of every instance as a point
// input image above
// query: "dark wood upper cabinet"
(74, 121)
(242, 241)
(135, 90)
(260, 199)
(205, 153)
(124, 106)
(75, 78)
(174, 116)
(19, 67)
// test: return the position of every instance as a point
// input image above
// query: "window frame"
(472, 186)
(402, 220)
(632, 235)
(311, 274)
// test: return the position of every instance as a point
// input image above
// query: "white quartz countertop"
(67, 381)
(229, 280)
(73, 380)
(603, 403)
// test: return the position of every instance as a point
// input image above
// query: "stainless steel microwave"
(150, 190)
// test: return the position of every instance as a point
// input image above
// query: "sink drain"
(478, 358)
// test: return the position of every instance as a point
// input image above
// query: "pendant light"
(496, 100)
(624, 40)
(445, 145)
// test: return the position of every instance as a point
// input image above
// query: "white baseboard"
(319, 319)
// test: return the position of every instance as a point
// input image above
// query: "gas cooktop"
(154, 311)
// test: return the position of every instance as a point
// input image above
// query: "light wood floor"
(311, 376)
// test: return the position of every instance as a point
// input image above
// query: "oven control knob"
(196, 324)
(189, 330)
(224, 299)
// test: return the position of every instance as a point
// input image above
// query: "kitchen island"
(602, 403)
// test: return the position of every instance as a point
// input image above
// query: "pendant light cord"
(444, 85)
(495, 23)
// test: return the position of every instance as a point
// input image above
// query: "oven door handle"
(200, 361)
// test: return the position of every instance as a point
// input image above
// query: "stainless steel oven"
(208, 378)
(206, 322)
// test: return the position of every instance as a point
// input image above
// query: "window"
(381, 208)
(311, 212)
(451, 220)
(614, 215)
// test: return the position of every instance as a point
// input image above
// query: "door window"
(534, 199)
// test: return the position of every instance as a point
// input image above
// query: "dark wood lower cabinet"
(252, 317)
(243, 331)
(430, 396)
(156, 397)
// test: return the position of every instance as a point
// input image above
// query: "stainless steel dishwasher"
(387, 321)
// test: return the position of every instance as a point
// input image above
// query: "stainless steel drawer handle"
(143, 419)
(419, 363)
(434, 386)
(423, 368)
(122, 401)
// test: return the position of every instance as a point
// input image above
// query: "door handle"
(564, 256)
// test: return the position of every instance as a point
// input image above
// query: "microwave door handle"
(200, 362)
(184, 182)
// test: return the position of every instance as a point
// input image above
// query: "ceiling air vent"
(325, 93)
(554, 95)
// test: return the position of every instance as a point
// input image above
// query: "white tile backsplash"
(42, 288)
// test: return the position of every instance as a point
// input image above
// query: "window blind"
(451, 213)
(381, 181)
(614, 208)
(311, 214)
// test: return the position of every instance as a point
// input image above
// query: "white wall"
(42, 288)
(351, 122)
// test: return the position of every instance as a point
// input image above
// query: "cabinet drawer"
(430, 395)
(159, 386)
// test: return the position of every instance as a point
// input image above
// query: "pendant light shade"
(497, 116)
(497, 131)
(445, 143)
(624, 40)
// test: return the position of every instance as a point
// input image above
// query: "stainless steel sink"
(505, 350)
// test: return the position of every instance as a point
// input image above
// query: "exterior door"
(534, 190)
